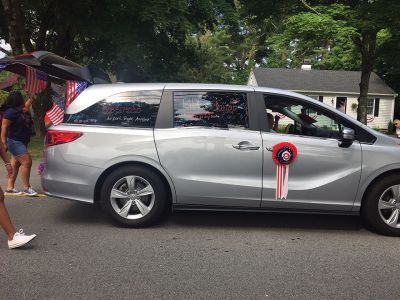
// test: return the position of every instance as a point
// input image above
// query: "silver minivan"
(142, 149)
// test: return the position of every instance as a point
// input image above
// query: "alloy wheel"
(132, 197)
(389, 206)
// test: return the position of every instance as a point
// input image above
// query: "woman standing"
(15, 134)
(15, 239)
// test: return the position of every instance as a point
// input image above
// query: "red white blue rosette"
(283, 154)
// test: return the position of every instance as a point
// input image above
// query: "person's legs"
(11, 180)
(19, 150)
(5, 221)
(25, 162)
(15, 239)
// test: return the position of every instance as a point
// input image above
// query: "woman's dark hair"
(15, 100)
(3, 107)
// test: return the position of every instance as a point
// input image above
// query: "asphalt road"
(80, 254)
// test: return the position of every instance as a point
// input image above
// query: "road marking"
(24, 195)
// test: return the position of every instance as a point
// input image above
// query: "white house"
(339, 89)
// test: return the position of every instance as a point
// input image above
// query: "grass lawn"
(36, 147)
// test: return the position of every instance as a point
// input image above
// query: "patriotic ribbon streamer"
(283, 154)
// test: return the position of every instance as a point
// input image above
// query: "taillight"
(56, 137)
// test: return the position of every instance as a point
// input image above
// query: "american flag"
(56, 113)
(74, 88)
(36, 81)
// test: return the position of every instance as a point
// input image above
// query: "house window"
(373, 107)
(370, 106)
(319, 98)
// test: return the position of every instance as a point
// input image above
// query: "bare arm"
(4, 128)
(6, 160)
(3, 154)
(28, 104)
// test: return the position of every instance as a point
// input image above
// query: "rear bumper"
(66, 180)
(64, 198)
(67, 190)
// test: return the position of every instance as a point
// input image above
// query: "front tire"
(381, 206)
(134, 196)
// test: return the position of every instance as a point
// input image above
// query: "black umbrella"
(53, 65)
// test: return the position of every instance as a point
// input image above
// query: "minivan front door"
(212, 156)
(324, 176)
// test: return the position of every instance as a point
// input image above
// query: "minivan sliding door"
(211, 154)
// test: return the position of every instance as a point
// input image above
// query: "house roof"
(318, 80)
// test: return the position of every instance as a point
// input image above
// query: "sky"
(5, 46)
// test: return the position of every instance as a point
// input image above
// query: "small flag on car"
(56, 113)
(74, 88)
(36, 80)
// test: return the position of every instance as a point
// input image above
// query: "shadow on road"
(266, 220)
(83, 213)
(91, 214)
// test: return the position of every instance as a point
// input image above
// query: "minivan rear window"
(127, 109)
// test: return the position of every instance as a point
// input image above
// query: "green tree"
(139, 40)
(324, 38)
(219, 56)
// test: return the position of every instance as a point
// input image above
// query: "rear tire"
(134, 196)
(381, 206)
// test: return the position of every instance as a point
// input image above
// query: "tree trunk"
(65, 42)
(12, 26)
(363, 98)
(23, 34)
(367, 46)
(41, 39)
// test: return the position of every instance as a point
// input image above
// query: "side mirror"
(346, 137)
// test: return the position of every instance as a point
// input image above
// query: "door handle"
(245, 146)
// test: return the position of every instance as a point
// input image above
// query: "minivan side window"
(127, 109)
(301, 118)
(210, 109)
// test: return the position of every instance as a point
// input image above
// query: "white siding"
(386, 110)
